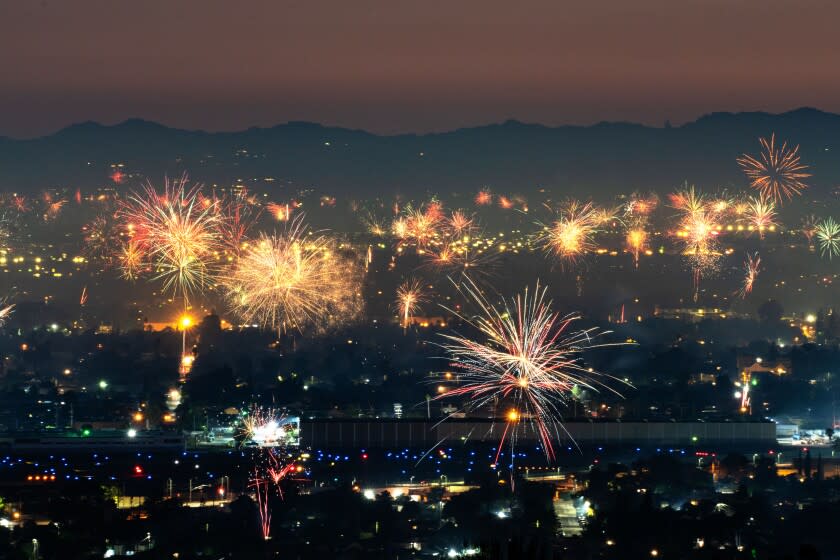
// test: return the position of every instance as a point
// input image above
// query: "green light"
(754, 381)
(86, 432)
(694, 439)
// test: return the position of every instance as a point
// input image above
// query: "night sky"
(394, 66)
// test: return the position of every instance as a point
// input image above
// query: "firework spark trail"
(410, 295)
(101, 239)
(809, 228)
(236, 216)
(5, 312)
(266, 427)
(528, 359)
(777, 173)
(131, 257)
(374, 225)
(294, 280)
(828, 237)
(178, 234)
(53, 209)
(752, 266)
(459, 258)
(262, 491)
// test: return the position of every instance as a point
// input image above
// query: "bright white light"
(452, 553)
(132, 433)
(369, 495)
(501, 514)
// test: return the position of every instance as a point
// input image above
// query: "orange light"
(138, 417)
(513, 415)
(185, 322)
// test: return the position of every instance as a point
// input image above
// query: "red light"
(364, 456)
(221, 491)
(138, 469)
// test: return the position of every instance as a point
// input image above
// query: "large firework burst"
(177, 232)
(777, 173)
(528, 360)
(293, 280)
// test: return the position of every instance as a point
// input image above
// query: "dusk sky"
(395, 66)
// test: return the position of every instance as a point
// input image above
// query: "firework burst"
(828, 237)
(131, 257)
(460, 224)
(295, 280)
(420, 225)
(752, 266)
(572, 234)
(272, 434)
(761, 214)
(697, 229)
(410, 295)
(777, 173)
(636, 242)
(528, 362)
(484, 198)
(178, 233)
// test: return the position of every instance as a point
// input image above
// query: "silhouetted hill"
(600, 160)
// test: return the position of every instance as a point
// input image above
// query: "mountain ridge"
(598, 160)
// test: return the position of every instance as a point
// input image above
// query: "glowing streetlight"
(185, 322)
